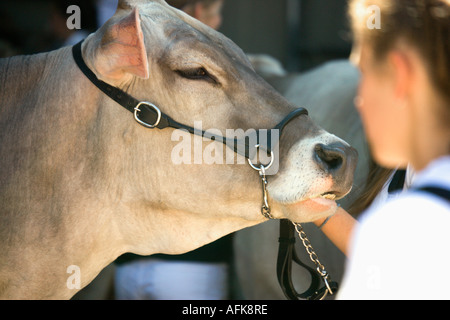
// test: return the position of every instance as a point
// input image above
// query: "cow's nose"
(335, 158)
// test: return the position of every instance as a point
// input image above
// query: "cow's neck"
(57, 199)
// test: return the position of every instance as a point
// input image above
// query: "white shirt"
(401, 250)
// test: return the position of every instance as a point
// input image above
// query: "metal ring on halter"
(262, 167)
(145, 124)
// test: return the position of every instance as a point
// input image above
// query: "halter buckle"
(137, 110)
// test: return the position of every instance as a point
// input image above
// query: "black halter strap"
(442, 193)
(148, 114)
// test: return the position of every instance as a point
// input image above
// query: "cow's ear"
(121, 51)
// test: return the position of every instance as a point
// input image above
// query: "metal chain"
(265, 208)
(314, 258)
(266, 212)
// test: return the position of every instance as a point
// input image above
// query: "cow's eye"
(197, 74)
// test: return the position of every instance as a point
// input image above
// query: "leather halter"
(150, 116)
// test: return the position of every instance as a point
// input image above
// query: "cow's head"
(193, 73)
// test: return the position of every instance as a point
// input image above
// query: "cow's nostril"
(330, 158)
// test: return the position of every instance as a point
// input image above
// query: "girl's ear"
(402, 71)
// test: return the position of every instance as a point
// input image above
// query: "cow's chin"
(310, 210)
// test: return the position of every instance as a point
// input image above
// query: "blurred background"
(301, 34)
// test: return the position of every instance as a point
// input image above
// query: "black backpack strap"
(398, 181)
(437, 191)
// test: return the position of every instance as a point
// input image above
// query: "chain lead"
(266, 212)
(265, 208)
(314, 258)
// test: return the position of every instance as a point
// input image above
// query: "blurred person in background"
(62, 34)
(207, 11)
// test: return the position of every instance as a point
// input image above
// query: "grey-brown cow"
(81, 182)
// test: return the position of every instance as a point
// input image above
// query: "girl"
(401, 249)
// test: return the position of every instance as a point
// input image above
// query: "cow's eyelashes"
(197, 74)
(194, 74)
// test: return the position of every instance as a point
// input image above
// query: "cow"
(82, 182)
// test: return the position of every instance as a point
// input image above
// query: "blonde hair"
(424, 24)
